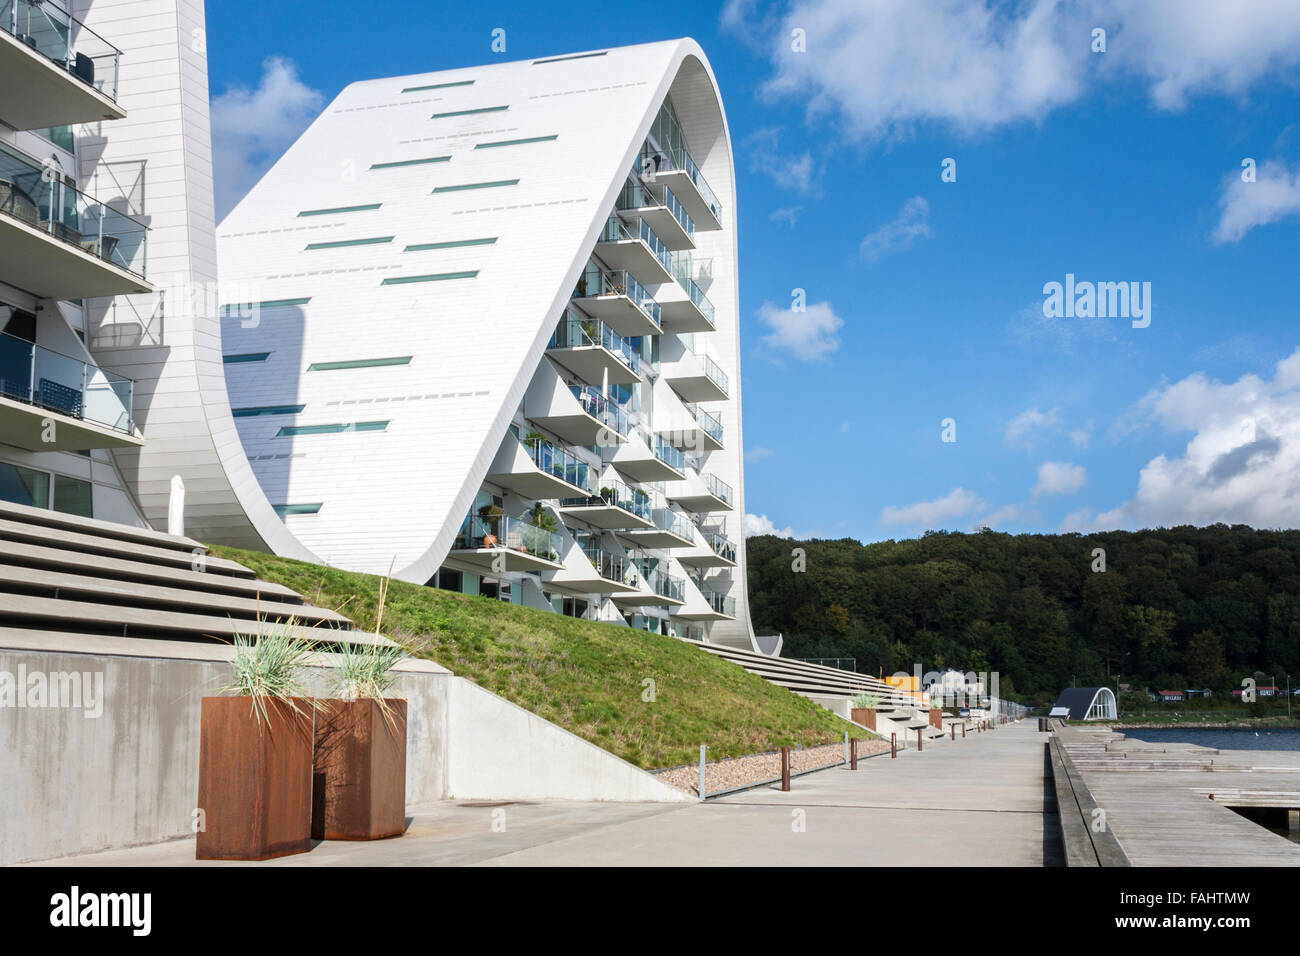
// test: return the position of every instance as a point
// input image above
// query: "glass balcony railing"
(560, 463)
(683, 264)
(577, 331)
(36, 195)
(595, 281)
(618, 495)
(716, 375)
(617, 230)
(722, 546)
(674, 522)
(59, 383)
(660, 581)
(674, 160)
(610, 566)
(600, 407)
(711, 425)
(671, 456)
(478, 532)
(59, 37)
(720, 603)
(717, 487)
(636, 196)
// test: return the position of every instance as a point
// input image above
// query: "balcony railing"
(674, 522)
(610, 566)
(560, 463)
(671, 456)
(595, 281)
(661, 582)
(716, 375)
(36, 195)
(618, 495)
(683, 264)
(616, 230)
(62, 39)
(717, 487)
(578, 331)
(601, 407)
(711, 425)
(59, 383)
(722, 546)
(502, 531)
(671, 160)
(636, 196)
(720, 603)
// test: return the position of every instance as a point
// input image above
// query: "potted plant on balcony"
(543, 518)
(255, 750)
(491, 524)
(864, 710)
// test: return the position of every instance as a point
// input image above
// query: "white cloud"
(911, 223)
(792, 171)
(758, 453)
(809, 335)
(1080, 520)
(1028, 422)
(1059, 478)
(1005, 515)
(930, 514)
(786, 214)
(762, 524)
(1274, 195)
(1081, 437)
(1242, 463)
(251, 129)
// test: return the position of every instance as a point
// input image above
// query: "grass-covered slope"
(589, 678)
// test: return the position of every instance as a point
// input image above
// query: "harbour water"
(1221, 739)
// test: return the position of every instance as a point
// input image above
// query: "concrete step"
(78, 587)
(44, 517)
(96, 544)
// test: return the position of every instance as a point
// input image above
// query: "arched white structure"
(447, 279)
(1088, 703)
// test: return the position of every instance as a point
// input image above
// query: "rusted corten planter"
(936, 717)
(254, 779)
(866, 716)
(359, 772)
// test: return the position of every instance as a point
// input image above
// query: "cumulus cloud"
(932, 514)
(758, 453)
(911, 223)
(251, 129)
(762, 524)
(786, 214)
(1007, 514)
(1029, 422)
(796, 171)
(1059, 478)
(809, 335)
(1242, 463)
(1274, 195)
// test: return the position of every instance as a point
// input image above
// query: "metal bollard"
(893, 746)
(853, 754)
(702, 749)
(963, 731)
(953, 728)
(785, 769)
(918, 739)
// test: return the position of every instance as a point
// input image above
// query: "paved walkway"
(978, 801)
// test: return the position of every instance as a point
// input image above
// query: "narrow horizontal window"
(358, 363)
(245, 357)
(436, 277)
(411, 162)
(516, 142)
(256, 410)
(340, 243)
(246, 308)
(338, 209)
(456, 189)
(307, 509)
(576, 56)
(481, 109)
(288, 431)
(437, 86)
(452, 244)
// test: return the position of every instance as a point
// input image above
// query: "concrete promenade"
(980, 801)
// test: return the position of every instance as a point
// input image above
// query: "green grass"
(584, 676)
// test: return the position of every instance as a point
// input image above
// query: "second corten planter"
(866, 716)
(359, 771)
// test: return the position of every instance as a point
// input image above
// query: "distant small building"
(1194, 692)
(1088, 703)
(1267, 691)
(1171, 696)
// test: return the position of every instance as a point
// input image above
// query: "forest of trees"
(1173, 608)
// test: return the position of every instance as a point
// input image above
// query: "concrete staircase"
(79, 576)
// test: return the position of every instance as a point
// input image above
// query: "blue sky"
(924, 298)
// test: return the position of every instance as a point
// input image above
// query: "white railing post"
(702, 761)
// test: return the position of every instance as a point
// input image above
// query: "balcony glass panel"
(682, 267)
(659, 581)
(502, 531)
(720, 603)
(575, 330)
(59, 383)
(62, 39)
(556, 461)
(615, 493)
(679, 160)
(706, 421)
(617, 230)
(722, 546)
(37, 196)
(603, 409)
(595, 281)
(717, 487)
(670, 456)
(636, 196)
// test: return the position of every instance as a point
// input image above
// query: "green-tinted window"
(452, 244)
(339, 209)
(73, 496)
(464, 186)
(358, 363)
(243, 308)
(340, 243)
(436, 277)
(516, 142)
(306, 509)
(288, 431)
(24, 486)
(437, 86)
(411, 162)
(255, 410)
(576, 56)
(481, 109)
(245, 357)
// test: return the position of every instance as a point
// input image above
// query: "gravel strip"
(756, 768)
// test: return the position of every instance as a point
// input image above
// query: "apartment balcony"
(609, 573)
(697, 378)
(579, 414)
(718, 551)
(704, 494)
(58, 243)
(658, 588)
(635, 249)
(613, 506)
(494, 544)
(675, 169)
(671, 530)
(593, 351)
(538, 470)
(54, 71)
(618, 300)
(53, 402)
(661, 210)
(699, 433)
(650, 459)
(716, 607)
(690, 311)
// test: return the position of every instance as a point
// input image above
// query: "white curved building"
(482, 329)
